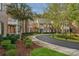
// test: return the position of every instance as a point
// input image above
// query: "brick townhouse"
(7, 24)
(11, 26)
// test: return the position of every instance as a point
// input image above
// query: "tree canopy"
(19, 11)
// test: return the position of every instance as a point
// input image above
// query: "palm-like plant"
(20, 12)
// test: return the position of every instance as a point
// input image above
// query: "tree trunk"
(21, 30)
(26, 26)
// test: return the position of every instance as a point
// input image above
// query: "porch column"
(17, 29)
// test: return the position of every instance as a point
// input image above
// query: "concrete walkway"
(61, 46)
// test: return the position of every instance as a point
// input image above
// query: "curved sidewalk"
(65, 50)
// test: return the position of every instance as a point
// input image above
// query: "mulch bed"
(21, 49)
(24, 51)
(2, 51)
(34, 46)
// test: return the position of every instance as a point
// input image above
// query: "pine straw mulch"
(2, 51)
(24, 51)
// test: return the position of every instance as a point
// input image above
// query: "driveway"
(63, 43)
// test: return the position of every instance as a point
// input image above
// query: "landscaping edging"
(65, 50)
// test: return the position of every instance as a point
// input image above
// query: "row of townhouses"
(9, 25)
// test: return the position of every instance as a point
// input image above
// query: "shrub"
(28, 42)
(6, 42)
(12, 37)
(10, 46)
(68, 36)
(1, 38)
(12, 52)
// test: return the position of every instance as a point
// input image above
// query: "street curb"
(65, 50)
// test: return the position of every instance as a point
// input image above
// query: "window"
(0, 28)
(0, 6)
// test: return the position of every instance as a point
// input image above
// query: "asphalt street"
(64, 43)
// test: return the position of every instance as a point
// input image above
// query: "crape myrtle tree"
(73, 15)
(63, 15)
(53, 13)
(69, 13)
(73, 12)
(60, 13)
(20, 12)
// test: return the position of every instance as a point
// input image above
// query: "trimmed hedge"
(7, 44)
(12, 37)
(67, 36)
(28, 42)
(10, 46)
(12, 52)
(31, 33)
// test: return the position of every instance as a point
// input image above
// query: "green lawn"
(46, 52)
(68, 37)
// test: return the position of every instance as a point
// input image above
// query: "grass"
(46, 52)
(68, 37)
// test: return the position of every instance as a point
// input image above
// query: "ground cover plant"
(8, 44)
(28, 42)
(12, 52)
(69, 37)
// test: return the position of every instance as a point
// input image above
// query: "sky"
(38, 7)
